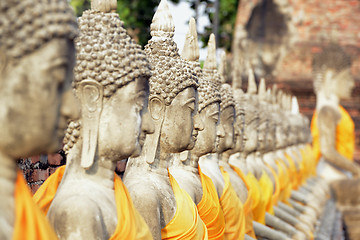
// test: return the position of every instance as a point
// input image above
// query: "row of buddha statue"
(204, 160)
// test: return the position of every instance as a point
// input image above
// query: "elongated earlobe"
(157, 112)
(91, 96)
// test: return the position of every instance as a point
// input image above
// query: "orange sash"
(258, 200)
(267, 190)
(233, 211)
(210, 210)
(30, 221)
(345, 135)
(186, 224)
(249, 218)
(292, 172)
(130, 223)
(283, 179)
(276, 193)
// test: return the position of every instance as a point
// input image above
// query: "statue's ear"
(156, 108)
(3, 62)
(90, 93)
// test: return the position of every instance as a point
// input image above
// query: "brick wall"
(37, 169)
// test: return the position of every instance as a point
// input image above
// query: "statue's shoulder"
(67, 213)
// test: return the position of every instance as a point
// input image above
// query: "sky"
(182, 13)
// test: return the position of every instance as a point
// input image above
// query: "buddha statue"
(229, 201)
(111, 81)
(185, 168)
(239, 164)
(37, 59)
(168, 209)
(331, 126)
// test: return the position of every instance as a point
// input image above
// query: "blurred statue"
(185, 167)
(332, 127)
(37, 59)
(168, 210)
(210, 164)
(111, 81)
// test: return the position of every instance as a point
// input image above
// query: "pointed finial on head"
(191, 46)
(269, 96)
(252, 88)
(262, 90)
(295, 105)
(210, 62)
(222, 67)
(162, 23)
(279, 98)
(104, 6)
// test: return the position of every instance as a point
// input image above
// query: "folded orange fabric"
(210, 210)
(30, 221)
(233, 211)
(186, 224)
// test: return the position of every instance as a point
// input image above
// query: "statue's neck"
(8, 174)
(101, 172)
(224, 157)
(323, 99)
(186, 160)
(210, 159)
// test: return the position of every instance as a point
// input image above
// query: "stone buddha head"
(263, 127)
(227, 105)
(111, 81)
(332, 73)
(209, 97)
(279, 119)
(173, 92)
(271, 135)
(37, 56)
(239, 126)
(251, 103)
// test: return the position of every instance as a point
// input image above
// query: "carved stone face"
(262, 135)
(37, 100)
(239, 134)
(251, 135)
(271, 137)
(124, 121)
(206, 139)
(227, 118)
(178, 133)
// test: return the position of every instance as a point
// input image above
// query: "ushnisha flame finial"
(104, 6)
(210, 62)
(208, 91)
(162, 23)
(252, 88)
(294, 105)
(262, 90)
(222, 67)
(191, 47)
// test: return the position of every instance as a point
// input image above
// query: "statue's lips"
(142, 139)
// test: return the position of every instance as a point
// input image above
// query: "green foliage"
(80, 6)
(227, 19)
